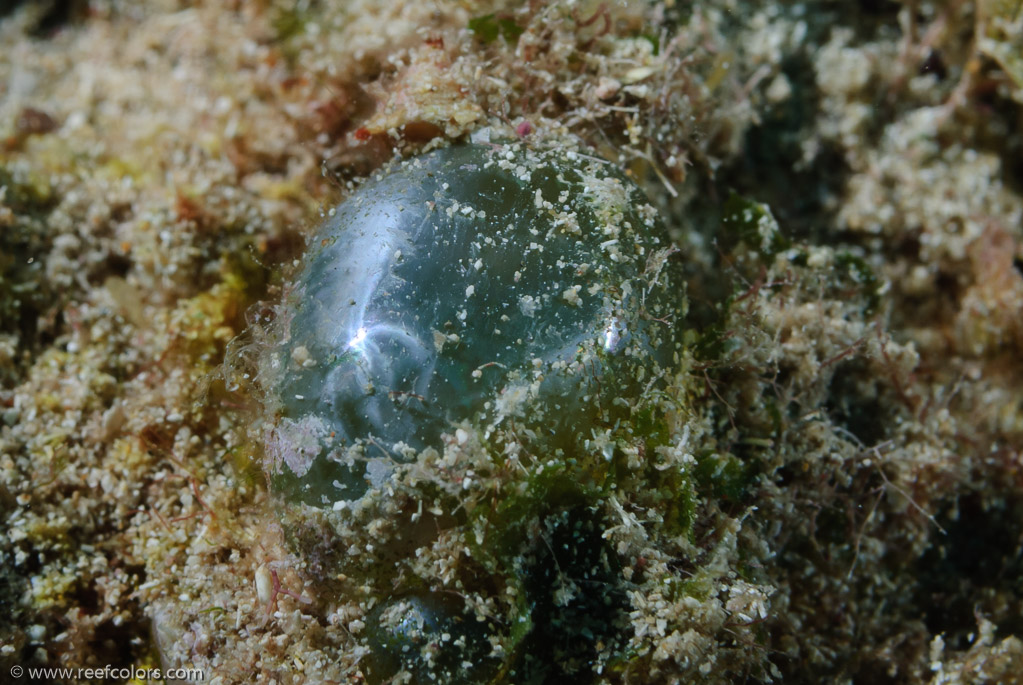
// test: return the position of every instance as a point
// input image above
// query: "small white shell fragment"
(300, 355)
(264, 584)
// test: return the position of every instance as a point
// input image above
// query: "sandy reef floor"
(830, 489)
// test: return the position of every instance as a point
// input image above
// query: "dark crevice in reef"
(855, 403)
(571, 560)
(1001, 131)
(49, 16)
(974, 569)
(868, 18)
(771, 168)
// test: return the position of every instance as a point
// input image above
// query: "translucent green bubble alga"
(475, 283)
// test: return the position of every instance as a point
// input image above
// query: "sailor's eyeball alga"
(475, 283)
(430, 637)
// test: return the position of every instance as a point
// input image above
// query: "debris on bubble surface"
(389, 274)
(820, 483)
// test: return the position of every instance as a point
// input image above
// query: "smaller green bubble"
(428, 636)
